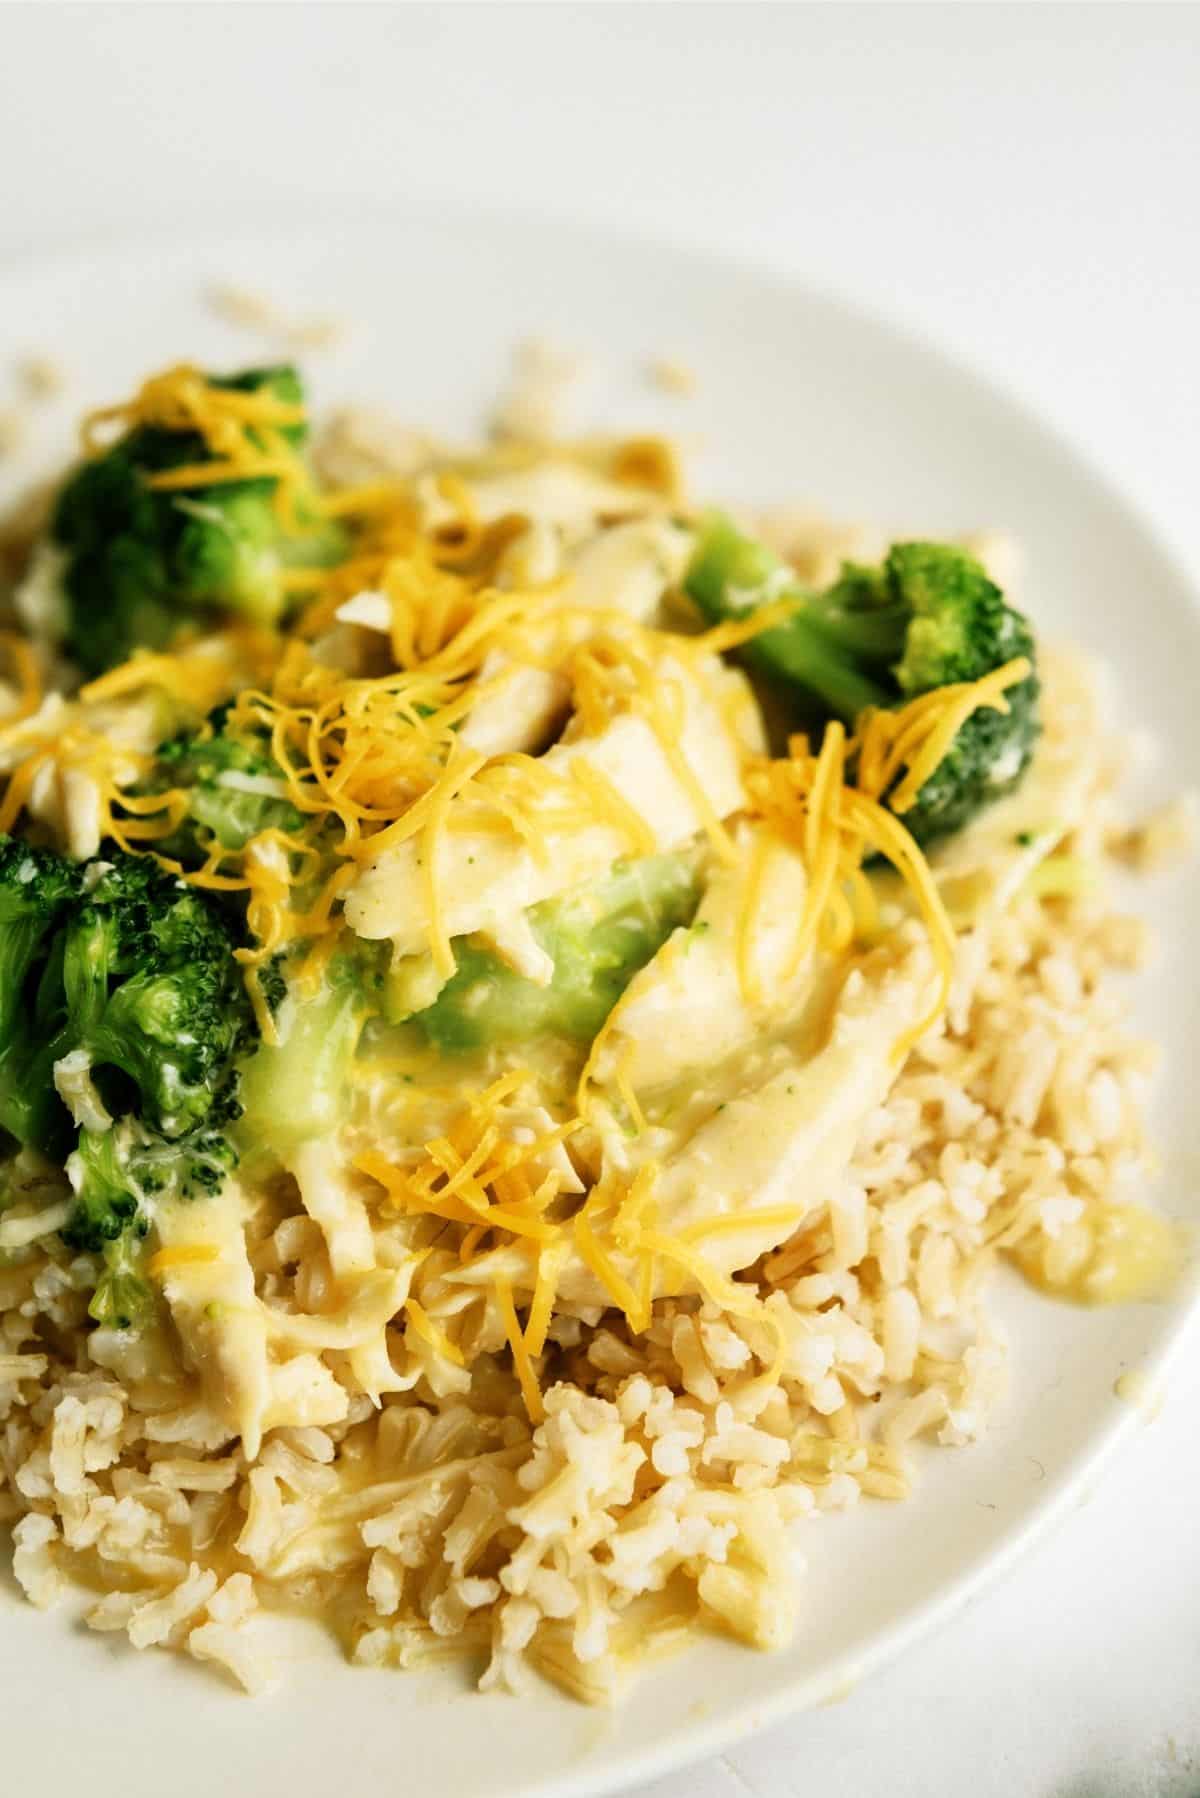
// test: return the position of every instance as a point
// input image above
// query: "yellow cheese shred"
(432, 1333)
(196, 680)
(608, 803)
(28, 677)
(661, 705)
(625, 1087)
(531, 1392)
(182, 399)
(75, 752)
(836, 820)
(551, 1260)
(242, 432)
(184, 1254)
(595, 1256)
(748, 980)
(921, 734)
(781, 1217)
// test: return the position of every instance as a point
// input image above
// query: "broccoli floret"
(153, 993)
(960, 629)
(928, 617)
(227, 776)
(598, 937)
(272, 981)
(143, 561)
(115, 1172)
(299, 1087)
(107, 1191)
(124, 1298)
(835, 648)
(132, 975)
(37, 889)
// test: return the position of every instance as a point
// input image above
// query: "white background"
(1020, 183)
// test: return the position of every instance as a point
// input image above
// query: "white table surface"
(1020, 183)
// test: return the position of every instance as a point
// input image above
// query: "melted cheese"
(746, 1178)
(1113, 1254)
(980, 871)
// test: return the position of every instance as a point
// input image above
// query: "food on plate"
(527, 1030)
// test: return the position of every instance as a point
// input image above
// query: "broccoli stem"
(30, 1108)
(124, 1298)
(732, 575)
(298, 1088)
(876, 636)
(800, 652)
(597, 936)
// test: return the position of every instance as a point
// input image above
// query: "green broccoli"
(124, 1298)
(123, 980)
(153, 995)
(928, 617)
(233, 785)
(143, 561)
(37, 889)
(299, 1087)
(597, 936)
(114, 1172)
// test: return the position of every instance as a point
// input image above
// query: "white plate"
(797, 397)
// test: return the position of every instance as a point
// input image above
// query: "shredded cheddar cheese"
(28, 677)
(183, 1254)
(595, 1254)
(197, 677)
(242, 432)
(625, 1087)
(748, 980)
(549, 1269)
(834, 824)
(182, 399)
(522, 1360)
(432, 1333)
(86, 773)
(918, 737)
(485, 1181)
(835, 819)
